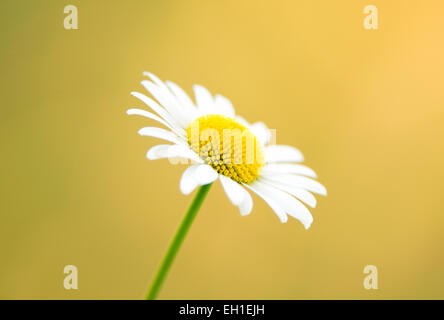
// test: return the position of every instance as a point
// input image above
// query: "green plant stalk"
(177, 241)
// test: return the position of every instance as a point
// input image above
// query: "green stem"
(177, 241)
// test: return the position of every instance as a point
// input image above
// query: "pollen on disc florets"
(228, 146)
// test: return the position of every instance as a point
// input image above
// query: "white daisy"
(274, 172)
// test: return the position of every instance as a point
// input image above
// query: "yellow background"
(364, 106)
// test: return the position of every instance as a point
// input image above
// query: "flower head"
(224, 146)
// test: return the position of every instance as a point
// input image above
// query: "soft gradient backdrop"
(365, 107)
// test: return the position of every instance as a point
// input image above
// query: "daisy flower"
(222, 145)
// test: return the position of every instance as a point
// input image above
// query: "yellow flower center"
(228, 146)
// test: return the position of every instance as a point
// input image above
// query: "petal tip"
(149, 155)
(245, 211)
(145, 82)
(185, 190)
(323, 192)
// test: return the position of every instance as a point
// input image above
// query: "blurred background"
(366, 107)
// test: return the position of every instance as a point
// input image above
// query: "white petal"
(280, 212)
(184, 99)
(157, 88)
(299, 182)
(261, 131)
(273, 168)
(188, 182)
(196, 175)
(168, 151)
(231, 188)
(168, 101)
(299, 193)
(156, 80)
(157, 108)
(162, 134)
(205, 174)
(247, 204)
(281, 153)
(204, 100)
(158, 152)
(179, 131)
(288, 203)
(237, 195)
(223, 106)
